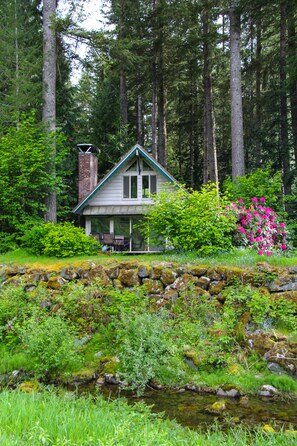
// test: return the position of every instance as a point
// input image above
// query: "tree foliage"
(24, 179)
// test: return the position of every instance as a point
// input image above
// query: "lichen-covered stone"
(260, 342)
(113, 272)
(216, 287)
(144, 271)
(283, 283)
(203, 282)
(168, 276)
(213, 274)
(153, 286)
(129, 277)
(197, 270)
(100, 275)
(170, 294)
(56, 282)
(284, 353)
(156, 272)
(128, 265)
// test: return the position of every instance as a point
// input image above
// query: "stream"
(190, 409)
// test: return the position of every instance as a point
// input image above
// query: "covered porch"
(121, 233)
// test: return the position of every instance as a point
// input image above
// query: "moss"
(29, 386)
(110, 367)
(240, 328)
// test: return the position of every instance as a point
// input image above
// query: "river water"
(191, 409)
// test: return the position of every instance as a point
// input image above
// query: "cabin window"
(149, 185)
(130, 186)
(100, 225)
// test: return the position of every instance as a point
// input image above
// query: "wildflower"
(262, 199)
(260, 252)
(282, 225)
(255, 200)
(240, 201)
(269, 253)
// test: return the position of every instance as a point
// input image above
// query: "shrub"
(62, 240)
(143, 348)
(262, 182)
(258, 227)
(33, 239)
(7, 242)
(196, 220)
(49, 343)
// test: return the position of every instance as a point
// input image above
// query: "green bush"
(7, 242)
(196, 220)
(33, 239)
(263, 182)
(143, 348)
(50, 344)
(61, 240)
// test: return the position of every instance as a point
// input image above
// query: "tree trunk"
(238, 168)
(160, 88)
(292, 81)
(154, 113)
(123, 100)
(210, 141)
(284, 138)
(258, 114)
(140, 139)
(49, 93)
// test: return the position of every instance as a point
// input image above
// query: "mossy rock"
(240, 328)
(168, 276)
(84, 375)
(197, 271)
(144, 271)
(110, 367)
(29, 386)
(268, 429)
(56, 282)
(129, 277)
(217, 407)
(153, 286)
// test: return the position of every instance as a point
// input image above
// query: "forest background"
(209, 87)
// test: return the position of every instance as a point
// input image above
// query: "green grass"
(47, 419)
(238, 258)
(247, 381)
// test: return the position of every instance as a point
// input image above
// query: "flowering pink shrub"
(259, 227)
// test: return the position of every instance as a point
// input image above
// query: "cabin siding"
(112, 192)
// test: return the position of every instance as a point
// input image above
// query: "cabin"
(113, 208)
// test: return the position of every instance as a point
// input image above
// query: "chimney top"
(87, 148)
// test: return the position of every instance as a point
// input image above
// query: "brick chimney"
(87, 169)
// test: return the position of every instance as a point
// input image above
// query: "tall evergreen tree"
(49, 93)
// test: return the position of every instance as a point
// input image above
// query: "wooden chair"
(119, 242)
(107, 239)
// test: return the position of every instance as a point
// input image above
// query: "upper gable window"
(146, 167)
(130, 186)
(133, 167)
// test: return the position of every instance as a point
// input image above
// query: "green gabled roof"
(118, 166)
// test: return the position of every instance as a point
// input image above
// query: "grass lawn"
(238, 257)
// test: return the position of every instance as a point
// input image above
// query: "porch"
(120, 233)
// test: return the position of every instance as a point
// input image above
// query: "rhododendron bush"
(258, 226)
